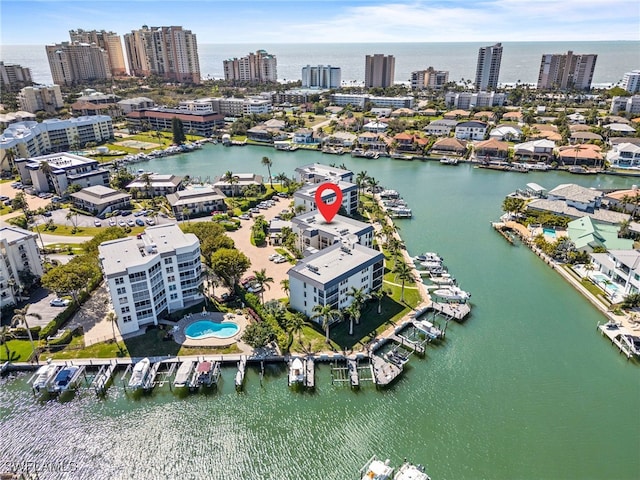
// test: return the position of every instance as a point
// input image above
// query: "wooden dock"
(149, 382)
(352, 368)
(614, 332)
(455, 311)
(242, 367)
(417, 347)
(309, 372)
(383, 372)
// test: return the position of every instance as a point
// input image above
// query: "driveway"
(92, 318)
(39, 304)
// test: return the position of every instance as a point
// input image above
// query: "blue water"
(207, 329)
(550, 232)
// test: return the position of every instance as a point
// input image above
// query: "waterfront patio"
(217, 317)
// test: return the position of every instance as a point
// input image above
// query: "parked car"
(279, 259)
(122, 223)
(273, 256)
(47, 213)
(247, 280)
(97, 223)
(59, 302)
(112, 222)
(126, 213)
(151, 221)
(3, 198)
(255, 288)
(139, 222)
(244, 216)
(131, 223)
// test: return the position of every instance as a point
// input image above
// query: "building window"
(168, 261)
(173, 296)
(119, 281)
(124, 309)
(171, 278)
(122, 290)
(122, 300)
(126, 319)
(169, 269)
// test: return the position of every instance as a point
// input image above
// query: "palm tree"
(359, 298)
(373, 184)
(379, 295)
(327, 314)
(20, 317)
(232, 180)
(354, 312)
(285, 286)
(46, 170)
(295, 323)
(264, 280)
(11, 155)
(266, 161)
(361, 181)
(5, 341)
(111, 318)
(73, 217)
(404, 274)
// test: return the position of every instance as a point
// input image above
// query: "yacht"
(43, 376)
(376, 469)
(139, 374)
(452, 293)
(449, 161)
(632, 343)
(432, 266)
(65, 379)
(409, 471)
(441, 278)
(184, 374)
(296, 372)
(428, 328)
(428, 257)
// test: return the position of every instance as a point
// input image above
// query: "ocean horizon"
(520, 60)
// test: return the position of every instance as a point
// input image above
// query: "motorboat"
(428, 328)
(376, 469)
(441, 278)
(44, 375)
(449, 161)
(183, 374)
(632, 343)
(431, 265)
(452, 293)
(204, 376)
(409, 471)
(296, 371)
(396, 357)
(428, 257)
(139, 374)
(65, 379)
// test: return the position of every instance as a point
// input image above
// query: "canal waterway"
(524, 389)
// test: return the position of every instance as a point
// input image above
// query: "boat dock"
(242, 366)
(384, 372)
(309, 372)
(616, 333)
(502, 229)
(455, 311)
(101, 381)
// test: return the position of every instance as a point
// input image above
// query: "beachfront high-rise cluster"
(107, 41)
(488, 68)
(379, 70)
(566, 71)
(321, 76)
(13, 77)
(259, 67)
(74, 63)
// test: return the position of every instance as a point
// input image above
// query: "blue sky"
(325, 21)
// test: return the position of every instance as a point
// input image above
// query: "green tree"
(404, 273)
(19, 202)
(264, 280)
(513, 204)
(327, 315)
(229, 265)
(359, 298)
(295, 323)
(379, 295)
(110, 233)
(259, 335)
(285, 286)
(267, 162)
(177, 129)
(212, 237)
(5, 340)
(20, 318)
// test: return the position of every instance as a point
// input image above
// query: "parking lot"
(59, 217)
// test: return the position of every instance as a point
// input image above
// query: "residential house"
(624, 155)
(441, 128)
(375, 127)
(583, 137)
(196, 201)
(153, 185)
(534, 151)
(507, 133)
(491, 149)
(585, 154)
(404, 142)
(456, 114)
(588, 234)
(471, 130)
(449, 146)
(622, 266)
(305, 136)
(373, 141)
(340, 139)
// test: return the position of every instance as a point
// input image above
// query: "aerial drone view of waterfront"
(524, 388)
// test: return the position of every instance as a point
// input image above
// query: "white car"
(273, 256)
(279, 259)
(97, 223)
(122, 223)
(112, 222)
(131, 223)
(59, 302)
(255, 288)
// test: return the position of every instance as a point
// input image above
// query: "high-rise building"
(259, 67)
(168, 52)
(18, 253)
(429, 78)
(631, 81)
(13, 77)
(379, 70)
(488, 69)
(321, 76)
(72, 63)
(34, 99)
(108, 41)
(566, 71)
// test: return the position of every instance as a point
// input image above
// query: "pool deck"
(180, 337)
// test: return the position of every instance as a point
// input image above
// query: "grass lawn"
(19, 350)
(85, 231)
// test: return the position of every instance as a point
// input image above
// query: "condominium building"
(631, 81)
(72, 63)
(30, 139)
(13, 77)
(321, 76)
(320, 173)
(259, 67)
(625, 104)
(100, 200)
(379, 70)
(35, 99)
(306, 196)
(468, 100)
(200, 123)
(566, 71)
(156, 184)
(429, 78)
(129, 105)
(314, 233)
(64, 169)
(488, 68)
(108, 41)
(171, 53)
(326, 277)
(360, 100)
(152, 275)
(196, 201)
(18, 254)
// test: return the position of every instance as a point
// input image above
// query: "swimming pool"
(549, 232)
(207, 329)
(602, 279)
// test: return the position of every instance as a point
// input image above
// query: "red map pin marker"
(328, 211)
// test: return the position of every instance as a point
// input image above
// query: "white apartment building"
(75, 62)
(359, 100)
(306, 196)
(34, 99)
(468, 100)
(29, 139)
(259, 67)
(152, 275)
(625, 104)
(18, 253)
(66, 169)
(318, 173)
(321, 76)
(566, 71)
(196, 201)
(429, 78)
(623, 266)
(326, 277)
(129, 105)
(314, 233)
(631, 81)
(471, 130)
(14, 76)
(488, 67)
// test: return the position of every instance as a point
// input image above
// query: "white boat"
(204, 375)
(449, 161)
(43, 376)
(409, 471)
(296, 371)
(65, 379)
(431, 266)
(428, 328)
(139, 374)
(376, 469)
(428, 257)
(632, 343)
(441, 278)
(399, 212)
(452, 293)
(184, 374)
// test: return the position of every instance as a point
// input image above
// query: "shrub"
(63, 339)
